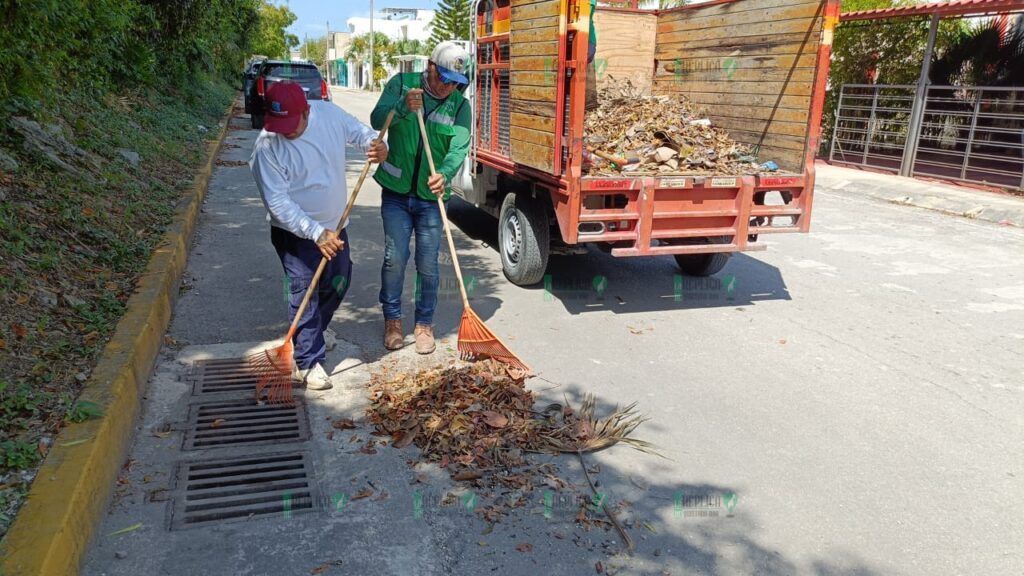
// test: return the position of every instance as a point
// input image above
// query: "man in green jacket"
(409, 193)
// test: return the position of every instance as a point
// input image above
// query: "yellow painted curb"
(73, 487)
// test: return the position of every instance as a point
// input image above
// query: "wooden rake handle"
(444, 213)
(341, 224)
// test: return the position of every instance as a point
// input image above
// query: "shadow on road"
(597, 281)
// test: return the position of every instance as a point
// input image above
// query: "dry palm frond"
(584, 432)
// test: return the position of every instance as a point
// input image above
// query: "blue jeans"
(300, 258)
(402, 215)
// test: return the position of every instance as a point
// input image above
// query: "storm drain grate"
(222, 375)
(243, 421)
(240, 488)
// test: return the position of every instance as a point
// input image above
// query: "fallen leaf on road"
(782, 341)
(524, 547)
(599, 567)
(467, 475)
(364, 493)
(218, 423)
(131, 528)
(344, 424)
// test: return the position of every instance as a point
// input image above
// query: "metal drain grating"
(236, 489)
(243, 421)
(222, 375)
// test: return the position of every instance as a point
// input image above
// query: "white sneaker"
(315, 378)
(330, 339)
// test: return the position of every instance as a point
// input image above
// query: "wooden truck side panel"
(758, 66)
(534, 53)
(751, 64)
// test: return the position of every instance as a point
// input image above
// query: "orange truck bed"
(759, 67)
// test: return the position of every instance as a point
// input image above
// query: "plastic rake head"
(273, 371)
(476, 342)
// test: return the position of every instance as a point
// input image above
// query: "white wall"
(397, 29)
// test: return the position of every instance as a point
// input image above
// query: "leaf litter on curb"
(478, 422)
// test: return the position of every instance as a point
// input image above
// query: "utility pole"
(327, 53)
(371, 46)
(920, 101)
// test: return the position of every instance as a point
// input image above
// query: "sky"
(313, 15)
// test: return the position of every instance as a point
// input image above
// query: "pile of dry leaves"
(479, 418)
(635, 133)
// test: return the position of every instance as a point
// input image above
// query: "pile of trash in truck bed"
(636, 133)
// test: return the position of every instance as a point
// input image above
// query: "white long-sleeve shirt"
(302, 181)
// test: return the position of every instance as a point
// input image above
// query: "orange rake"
(476, 341)
(272, 367)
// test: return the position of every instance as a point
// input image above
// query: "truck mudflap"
(667, 215)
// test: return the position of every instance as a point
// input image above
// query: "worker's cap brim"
(451, 76)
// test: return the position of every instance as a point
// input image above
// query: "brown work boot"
(424, 339)
(393, 337)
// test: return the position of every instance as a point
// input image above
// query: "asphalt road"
(848, 402)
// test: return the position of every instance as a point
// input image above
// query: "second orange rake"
(475, 339)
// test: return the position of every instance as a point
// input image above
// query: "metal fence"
(967, 133)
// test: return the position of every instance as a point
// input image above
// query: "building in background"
(397, 24)
(337, 47)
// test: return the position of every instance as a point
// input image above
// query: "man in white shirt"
(298, 162)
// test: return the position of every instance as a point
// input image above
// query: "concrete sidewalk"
(999, 208)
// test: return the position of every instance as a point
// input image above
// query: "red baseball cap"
(284, 105)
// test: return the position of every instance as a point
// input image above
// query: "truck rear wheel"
(523, 239)
(703, 264)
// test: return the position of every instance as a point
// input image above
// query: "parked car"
(305, 74)
(249, 80)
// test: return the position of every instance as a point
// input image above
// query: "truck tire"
(703, 264)
(524, 239)
(257, 121)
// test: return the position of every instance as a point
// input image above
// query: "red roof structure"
(951, 8)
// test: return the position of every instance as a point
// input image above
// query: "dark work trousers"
(300, 258)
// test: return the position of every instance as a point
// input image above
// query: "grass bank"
(87, 186)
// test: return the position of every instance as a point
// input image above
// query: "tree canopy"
(451, 22)
(271, 39)
(110, 44)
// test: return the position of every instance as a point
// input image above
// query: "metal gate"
(967, 133)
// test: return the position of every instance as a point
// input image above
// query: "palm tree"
(990, 53)
(384, 54)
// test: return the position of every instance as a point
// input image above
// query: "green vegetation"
(269, 39)
(385, 52)
(879, 52)
(109, 106)
(451, 22)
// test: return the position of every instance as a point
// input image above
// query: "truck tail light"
(259, 86)
(323, 90)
